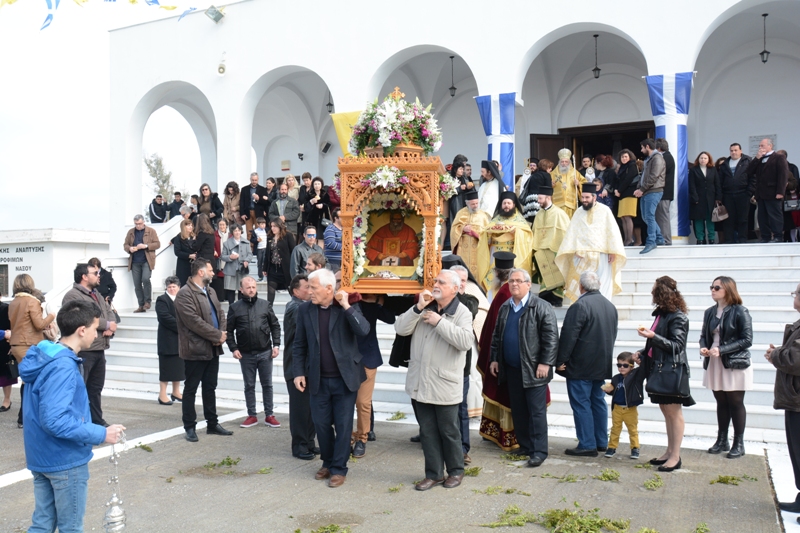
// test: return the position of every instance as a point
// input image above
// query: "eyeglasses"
(794, 294)
(716, 287)
(517, 282)
(204, 189)
(623, 365)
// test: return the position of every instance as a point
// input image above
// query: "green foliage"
(647, 530)
(654, 483)
(396, 488)
(332, 528)
(513, 457)
(472, 471)
(210, 466)
(702, 527)
(265, 470)
(749, 478)
(399, 415)
(497, 489)
(567, 478)
(169, 479)
(512, 517)
(162, 179)
(608, 474)
(230, 462)
(646, 466)
(726, 480)
(144, 447)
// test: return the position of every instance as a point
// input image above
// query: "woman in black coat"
(6, 381)
(209, 204)
(666, 343)
(724, 341)
(170, 366)
(625, 185)
(317, 207)
(705, 193)
(204, 239)
(279, 258)
(183, 244)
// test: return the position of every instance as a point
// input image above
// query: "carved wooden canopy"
(422, 191)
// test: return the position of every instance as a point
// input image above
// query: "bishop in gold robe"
(592, 242)
(549, 227)
(508, 231)
(466, 229)
(566, 183)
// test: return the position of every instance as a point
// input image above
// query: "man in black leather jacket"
(524, 350)
(737, 189)
(251, 323)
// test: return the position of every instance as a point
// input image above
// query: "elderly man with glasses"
(441, 333)
(141, 244)
(524, 350)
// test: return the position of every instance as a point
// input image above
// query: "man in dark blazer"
(253, 203)
(585, 353)
(327, 361)
(771, 172)
(737, 189)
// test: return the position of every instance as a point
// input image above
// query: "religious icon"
(393, 242)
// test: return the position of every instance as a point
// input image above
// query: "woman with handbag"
(625, 185)
(724, 341)
(665, 366)
(170, 366)
(6, 378)
(279, 258)
(183, 245)
(27, 322)
(237, 256)
(318, 208)
(705, 193)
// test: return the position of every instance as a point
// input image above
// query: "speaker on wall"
(325, 147)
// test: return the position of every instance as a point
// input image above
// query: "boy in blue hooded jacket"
(58, 429)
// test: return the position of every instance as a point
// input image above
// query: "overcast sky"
(54, 116)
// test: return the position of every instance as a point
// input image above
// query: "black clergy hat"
(589, 187)
(546, 190)
(504, 260)
(508, 195)
(472, 194)
(493, 170)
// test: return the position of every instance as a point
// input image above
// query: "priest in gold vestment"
(466, 229)
(592, 242)
(566, 183)
(549, 228)
(508, 231)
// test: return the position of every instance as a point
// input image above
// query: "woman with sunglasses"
(209, 204)
(666, 346)
(724, 341)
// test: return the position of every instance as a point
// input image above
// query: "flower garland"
(393, 122)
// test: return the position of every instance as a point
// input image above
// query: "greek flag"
(497, 117)
(669, 102)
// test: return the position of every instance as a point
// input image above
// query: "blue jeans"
(60, 500)
(589, 409)
(463, 418)
(649, 203)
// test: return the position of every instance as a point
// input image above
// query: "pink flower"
(359, 221)
(389, 204)
(364, 183)
(425, 133)
(357, 241)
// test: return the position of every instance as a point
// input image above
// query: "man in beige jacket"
(441, 333)
(141, 243)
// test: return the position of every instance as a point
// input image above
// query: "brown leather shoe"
(336, 481)
(467, 459)
(427, 483)
(139, 309)
(322, 473)
(453, 481)
(147, 305)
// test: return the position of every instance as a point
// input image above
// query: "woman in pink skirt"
(724, 341)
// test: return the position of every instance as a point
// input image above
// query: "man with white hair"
(771, 173)
(466, 229)
(524, 350)
(441, 333)
(326, 360)
(141, 244)
(585, 354)
(566, 183)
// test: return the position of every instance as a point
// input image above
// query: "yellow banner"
(343, 124)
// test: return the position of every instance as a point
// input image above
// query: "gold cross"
(397, 95)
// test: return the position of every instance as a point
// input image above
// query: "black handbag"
(13, 369)
(668, 379)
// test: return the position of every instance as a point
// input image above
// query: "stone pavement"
(174, 488)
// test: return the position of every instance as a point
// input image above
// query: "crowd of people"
(560, 231)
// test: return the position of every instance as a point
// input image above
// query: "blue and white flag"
(670, 95)
(497, 117)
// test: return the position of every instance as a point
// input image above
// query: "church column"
(669, 101)
(497, 117)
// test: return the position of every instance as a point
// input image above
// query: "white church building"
(684, 70)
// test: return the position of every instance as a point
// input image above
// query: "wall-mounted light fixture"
(452, 79)
(596, 69)
(765, 53)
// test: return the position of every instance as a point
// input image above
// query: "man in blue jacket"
(58, 431)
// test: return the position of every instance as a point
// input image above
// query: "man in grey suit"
(585, 354)
(327, 361)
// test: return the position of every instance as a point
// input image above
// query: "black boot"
(737, 449)
(722, 443)
(710, 241)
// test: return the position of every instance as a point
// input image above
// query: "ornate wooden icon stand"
(423, 195)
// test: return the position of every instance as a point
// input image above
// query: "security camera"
(300, 157)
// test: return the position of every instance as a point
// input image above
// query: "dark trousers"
(332, 410)
(441, 439)
(792, 419)
(463, 418)
(738, 206)
(261, 254)
(770, 220)
(529, 412)
(301, 426)
(198, 372)
(94, 376)
(261, 364)
(663, 220)
(141, 282)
